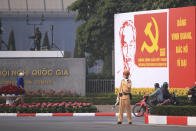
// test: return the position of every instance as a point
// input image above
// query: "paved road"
(80, 124)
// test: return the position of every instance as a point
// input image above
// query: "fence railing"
(100, 85)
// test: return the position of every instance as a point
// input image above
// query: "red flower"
(55, 104)
(37, 105)
(49, 105)
(61, 104)
(43, 104)
(67, 105)
(10, 89)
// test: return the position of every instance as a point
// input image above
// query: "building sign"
(44, 72)
(156, 46)
(67, 74)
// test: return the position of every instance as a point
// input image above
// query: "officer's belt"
(125, 93)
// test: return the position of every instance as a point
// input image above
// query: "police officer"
(124, 96)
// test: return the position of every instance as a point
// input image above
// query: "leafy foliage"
(171, 110)
(94, 98)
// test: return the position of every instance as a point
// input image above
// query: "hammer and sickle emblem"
(154, 39)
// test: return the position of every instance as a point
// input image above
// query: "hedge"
(105, 100)
(171, 110)
(63, 107)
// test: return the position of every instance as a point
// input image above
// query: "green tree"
(95, 35)
(46, 41)
(11, 41)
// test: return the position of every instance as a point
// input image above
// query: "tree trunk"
(107, 65)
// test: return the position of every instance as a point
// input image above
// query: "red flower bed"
(10, 89)
(48, 107)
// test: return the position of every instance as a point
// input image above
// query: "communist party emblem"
(154, 38)
(151, 40)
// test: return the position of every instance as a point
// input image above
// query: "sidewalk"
(107, 109)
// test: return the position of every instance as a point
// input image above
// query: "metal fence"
(100, 85)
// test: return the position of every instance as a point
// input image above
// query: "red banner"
(182, 67)
(151, 40)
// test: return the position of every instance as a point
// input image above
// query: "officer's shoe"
(119, 122)
(130, 123)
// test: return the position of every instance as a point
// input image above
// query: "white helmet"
(21, 74)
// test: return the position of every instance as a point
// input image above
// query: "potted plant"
(10, 92)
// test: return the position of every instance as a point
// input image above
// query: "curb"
(170, 120)
(60, 114)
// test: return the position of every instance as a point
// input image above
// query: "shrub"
(50, 93)
(48, 107)
(171, 110)
(104, 100)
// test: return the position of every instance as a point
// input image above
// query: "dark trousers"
(37, 45)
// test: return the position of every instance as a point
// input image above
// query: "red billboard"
(182, 67)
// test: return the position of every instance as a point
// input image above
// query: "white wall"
(18, 5)
(34, 5)
(4, 5)
(18, 54)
